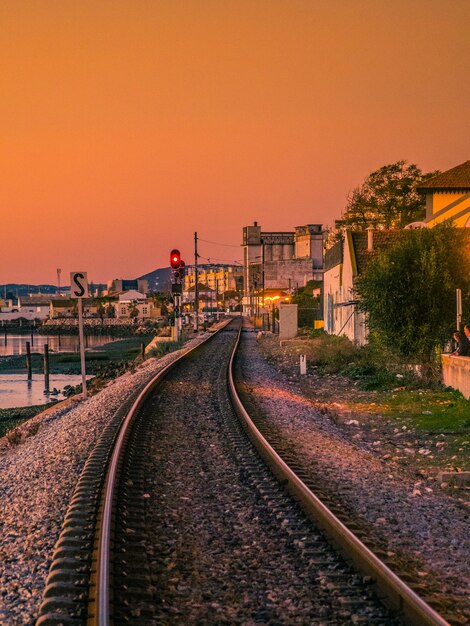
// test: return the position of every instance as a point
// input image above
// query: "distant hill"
(159, 279)
(13, 290)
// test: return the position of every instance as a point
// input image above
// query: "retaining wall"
(456, 373)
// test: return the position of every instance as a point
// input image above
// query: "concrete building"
(448, 196)
(344, 262)
(207, 297)
(135, 302)
(67, 307)
(280, 260)
(219, 278)
(117, 285)
(36, 306)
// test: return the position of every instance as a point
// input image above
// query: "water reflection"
(17, 390)
(16, 344)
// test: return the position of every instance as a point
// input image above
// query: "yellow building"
(448, 196)
(219, 278)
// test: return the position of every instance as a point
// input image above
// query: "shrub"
(14, 437)
(330, 352)
(164, 347)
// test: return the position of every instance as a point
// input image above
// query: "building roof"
(456, 178)
(382, 240)
(38, 300)
(132, 294)
(334, 255)
(201, 288)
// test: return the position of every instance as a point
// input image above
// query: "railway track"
(176, 518)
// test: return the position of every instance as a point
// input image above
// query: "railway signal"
(179, 273)
(175, 259)
(178, 267)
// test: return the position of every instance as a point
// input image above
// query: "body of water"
(16, 344)
(16, 390)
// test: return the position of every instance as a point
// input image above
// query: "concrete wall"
(456, 373)
(309, 243)
(277, 274)
(446, 205)
(341, 317)
(288, 321)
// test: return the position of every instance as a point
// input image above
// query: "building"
(67, 307)
(135, 305)
(207, 297)
(36, 306)
(280, 260)
(117, 285)
(344, 262)
(448, 196)
(218, 277)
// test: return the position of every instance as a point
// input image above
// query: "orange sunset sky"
(128, 125)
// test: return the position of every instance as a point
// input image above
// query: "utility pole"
(196, 285)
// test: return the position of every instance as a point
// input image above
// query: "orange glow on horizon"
(128, 125)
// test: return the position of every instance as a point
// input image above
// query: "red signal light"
(175, 259)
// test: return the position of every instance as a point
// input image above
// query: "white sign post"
(458, 293)
(79, 290)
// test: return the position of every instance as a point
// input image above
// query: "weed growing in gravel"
(14, 437)
(164, 347)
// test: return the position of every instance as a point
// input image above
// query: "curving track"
(196, 529)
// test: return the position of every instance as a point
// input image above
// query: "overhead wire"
(217, 243)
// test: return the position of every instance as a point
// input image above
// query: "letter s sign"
(78, 285)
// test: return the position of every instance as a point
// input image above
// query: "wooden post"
(5, 335)
(28, 360)
(142, 347)
(32, 335)
(46, 366)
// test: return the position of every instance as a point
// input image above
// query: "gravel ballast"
(37, 479)
(408, 517)
(222, 541)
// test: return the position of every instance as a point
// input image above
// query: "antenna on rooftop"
(58, 280)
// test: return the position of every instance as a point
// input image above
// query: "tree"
(387, 198)
(99, 302)
(133, 310)
(161, 301)
(409, 291)
(309, 308)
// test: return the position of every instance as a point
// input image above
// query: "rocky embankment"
(38, 473)
(417, 524)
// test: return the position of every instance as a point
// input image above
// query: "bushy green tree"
(387, 198)
(409, 291)
(309, 308)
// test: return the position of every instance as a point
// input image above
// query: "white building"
(344, 262)
(35, 306)
(133, 300)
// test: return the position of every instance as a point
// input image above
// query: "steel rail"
(396, 594)
(102, 598)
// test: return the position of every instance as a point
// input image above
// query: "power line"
(217, 243)
(212, 258)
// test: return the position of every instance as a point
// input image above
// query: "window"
(144, 310)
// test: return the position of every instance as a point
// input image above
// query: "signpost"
(459, 307)
(79, 290)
